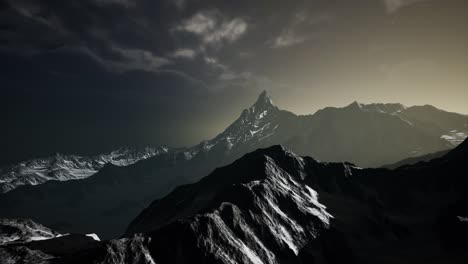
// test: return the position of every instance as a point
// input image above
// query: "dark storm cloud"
(126, 35)
(108, 31)
(81, 76)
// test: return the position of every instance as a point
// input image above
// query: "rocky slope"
(69, 167)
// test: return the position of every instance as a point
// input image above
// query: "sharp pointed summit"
(263, 101)
(354, 105)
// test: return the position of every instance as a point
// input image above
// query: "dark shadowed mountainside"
(412, 161)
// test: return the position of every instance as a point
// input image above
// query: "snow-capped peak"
(256, 122)
(263, 102)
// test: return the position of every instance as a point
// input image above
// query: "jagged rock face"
(69, 167)
(259, 177)
(257, 123)
(254, 211)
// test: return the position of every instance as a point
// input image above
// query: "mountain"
(414, 160)
(23, 230)
(377, 134)
(258, 125)
(112, 197)
(369, 135)
(273, 206)
(69, 167)
(25, 241)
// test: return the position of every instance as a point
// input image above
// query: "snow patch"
(93, 236)
(455, 137)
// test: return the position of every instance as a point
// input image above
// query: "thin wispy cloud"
(297, 31)
(288, 38)
(138, 59)
(184, 53)
(393, 6)
(130, 59)
(213, 28)
(214, 63)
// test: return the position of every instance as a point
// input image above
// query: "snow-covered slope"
(255, 124)
(261, 125)
(69, 167)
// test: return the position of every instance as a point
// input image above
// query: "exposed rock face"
(257, 210)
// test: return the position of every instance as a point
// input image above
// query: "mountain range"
(69, 167)
(370, 135)
(366, 135)
(274, 206)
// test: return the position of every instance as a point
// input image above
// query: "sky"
(91, 75)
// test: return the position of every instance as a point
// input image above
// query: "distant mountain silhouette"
(414, 160)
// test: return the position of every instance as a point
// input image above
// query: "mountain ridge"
(273, 206)
(62, 167)
(250, 128)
